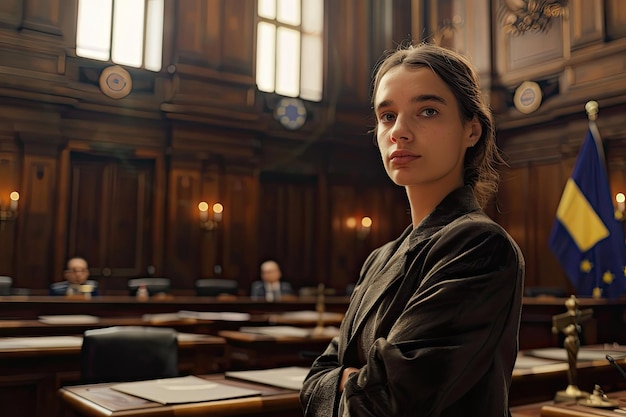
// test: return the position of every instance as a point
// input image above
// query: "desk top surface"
(48, 344)
(569, 409)
(100, 400)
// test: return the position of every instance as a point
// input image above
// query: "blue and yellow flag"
(586, 237)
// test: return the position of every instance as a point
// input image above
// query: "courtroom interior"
(156, 154)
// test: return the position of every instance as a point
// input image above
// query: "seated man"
(270, 287)
(76, 281)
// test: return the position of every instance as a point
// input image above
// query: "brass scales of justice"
(568, 323)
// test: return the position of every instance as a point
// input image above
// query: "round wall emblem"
(291, 113)
(115, 82)
(527, 97)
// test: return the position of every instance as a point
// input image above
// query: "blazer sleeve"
(319, 395)
(453, 331)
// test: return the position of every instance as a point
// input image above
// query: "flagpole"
(592, 108)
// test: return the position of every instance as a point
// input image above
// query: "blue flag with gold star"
(586, 237)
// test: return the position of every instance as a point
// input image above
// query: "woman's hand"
(345, 375)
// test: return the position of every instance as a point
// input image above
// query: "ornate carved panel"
(586, 22)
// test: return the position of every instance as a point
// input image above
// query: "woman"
(432, 325)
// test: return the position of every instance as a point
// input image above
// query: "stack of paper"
(290, 377)
(277, 331)
(188, 389)
(69, 319)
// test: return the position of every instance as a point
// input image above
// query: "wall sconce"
(206, 223)
(362, 229)
(10, 212)
(621, 206)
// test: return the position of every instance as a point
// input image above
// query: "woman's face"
(420, 133)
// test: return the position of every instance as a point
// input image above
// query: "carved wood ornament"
(520, 16)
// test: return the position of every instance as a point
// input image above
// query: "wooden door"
(110, 216)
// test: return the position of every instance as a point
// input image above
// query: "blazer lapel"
(386, 270)
(363, 300)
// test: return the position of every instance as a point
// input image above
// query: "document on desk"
(290, 377)
(214, 315)
(277, 331)
(187, 389)
(39, 342)
(69, 319)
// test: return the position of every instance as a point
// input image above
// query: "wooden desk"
(101, 401)
(567, 409)
(31, 307)
(606, 326)
(541, 382)
(258, 351)
(33, 369)
(572, 409)
(20, 328)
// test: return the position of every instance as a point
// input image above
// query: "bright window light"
(288, 62)
(265, 61)
(290, 48)
(93, 32)
(288, 12)
(126, 32)
(267, 9)
(154, 35)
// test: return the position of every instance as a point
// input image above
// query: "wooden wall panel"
(386, 205)
(348, 31)
(615, 19)
(288, 222)
(546, 184)
(211, 191)
(197, 31)
(511, 210)
(184, 249)
(34, 250)
(343, 242)
(237, 38)
(9, 182)
(586, 22)
(240, 225)
(216, 34)
(11, 12)
(52, 17)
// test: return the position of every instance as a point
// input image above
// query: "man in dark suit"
(270, 287)
(76, 280)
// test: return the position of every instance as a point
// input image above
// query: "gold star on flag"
(607, 277)
(597, 292)
(586, 266)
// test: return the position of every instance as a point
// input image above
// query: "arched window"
(290, 56)
(126, 32)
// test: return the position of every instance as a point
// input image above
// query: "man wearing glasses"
(76, 280)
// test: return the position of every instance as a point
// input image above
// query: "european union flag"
(586, 237)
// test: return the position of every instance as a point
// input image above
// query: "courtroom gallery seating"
(128, 353)
(212, 287)
(153, 285)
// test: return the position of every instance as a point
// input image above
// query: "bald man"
(76, 279)
(270, 287)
